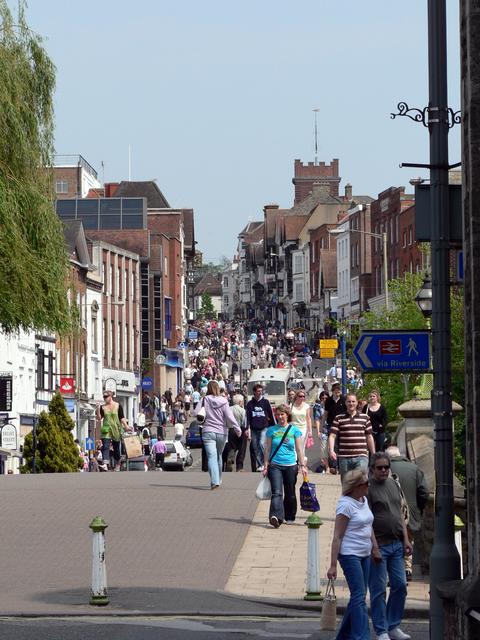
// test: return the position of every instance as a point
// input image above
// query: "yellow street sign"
(332, 343)
(327, 353)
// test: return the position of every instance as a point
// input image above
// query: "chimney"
(348, 192)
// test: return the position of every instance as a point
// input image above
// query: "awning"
(174, 358)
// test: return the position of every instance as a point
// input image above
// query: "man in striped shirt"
(354, 432)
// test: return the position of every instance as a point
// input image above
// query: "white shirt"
(179, 429)
(357, 540)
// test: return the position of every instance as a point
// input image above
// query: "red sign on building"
(67, 385)
(390, 347)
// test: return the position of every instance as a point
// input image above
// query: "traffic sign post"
(246, 358)
(395, 351)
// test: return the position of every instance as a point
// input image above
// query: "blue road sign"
(89, 444)
(192, 335)
(147, 383)
(393, 351)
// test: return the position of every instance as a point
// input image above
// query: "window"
(225, 282)
(404, 242)
(313, 252)
(51, 372)
(105, 341)
(410, 235)
(94, 332)
(127, 346)
(157, 313)
(119, 343)
(168, 318)
(165, 267)
(297, 263)
(299, 292)
(111, 280)
(40, 369)
(61, 186)
(112, 341)
(119, 283)
(104, 275)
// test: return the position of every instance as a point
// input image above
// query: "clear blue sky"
(216, 96)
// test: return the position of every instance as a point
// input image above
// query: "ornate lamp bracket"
(428, 115)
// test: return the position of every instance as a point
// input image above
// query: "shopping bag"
(264, 489)
(309, 443)
(328, 619)
(308, 496)
(133, 446)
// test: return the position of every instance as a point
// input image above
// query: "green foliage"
(56, 449)
(33, 263)
(207, 311)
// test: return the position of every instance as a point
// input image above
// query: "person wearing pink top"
(159, 449)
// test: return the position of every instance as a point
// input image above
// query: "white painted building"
(230, 291)
(343, 271)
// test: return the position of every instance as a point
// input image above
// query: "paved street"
(173, 628)
(174, 548)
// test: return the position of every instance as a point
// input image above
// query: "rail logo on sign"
(390, 347)
(399, 350)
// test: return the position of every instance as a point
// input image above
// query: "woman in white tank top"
(302, 415)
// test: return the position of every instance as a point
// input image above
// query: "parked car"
(193, 438)
(177, 456)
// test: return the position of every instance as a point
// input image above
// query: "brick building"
(73, 176)
(385, 218)
(305, 175)
(411, 258)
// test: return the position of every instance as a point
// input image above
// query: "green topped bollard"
(313, 591)
(99, 570)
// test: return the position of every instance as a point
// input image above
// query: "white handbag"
(202, 414)
(264, 489)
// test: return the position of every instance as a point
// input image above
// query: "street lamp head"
(424, 297)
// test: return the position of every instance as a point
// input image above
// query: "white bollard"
(99, 568)
(313, 591)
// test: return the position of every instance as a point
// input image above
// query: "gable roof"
(147, 189)
(293, 225)
(311, 202)
(210, 284)
(75, 242)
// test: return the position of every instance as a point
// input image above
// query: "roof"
(147, 189)
(210, 283)
(311, 202)
(75, 242)
(356, 200)
(251, 227)
(328, 268)
(293, 225)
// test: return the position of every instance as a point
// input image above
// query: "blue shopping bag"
(308, 496)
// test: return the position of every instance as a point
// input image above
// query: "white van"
(274, 382)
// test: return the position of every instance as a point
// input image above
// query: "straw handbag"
(328, 619)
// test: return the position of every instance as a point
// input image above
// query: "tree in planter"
(208, 310)
(56, 450)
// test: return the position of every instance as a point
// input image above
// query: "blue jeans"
(354, 625)
(106, 450)
(283, 479)
(258, 445)
(388, 615)
(357, 462)
(214, 444)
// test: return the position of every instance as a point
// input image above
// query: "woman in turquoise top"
(282, 461)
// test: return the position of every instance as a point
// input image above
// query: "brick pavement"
(272, 562)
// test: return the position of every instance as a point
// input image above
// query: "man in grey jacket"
(415, 488)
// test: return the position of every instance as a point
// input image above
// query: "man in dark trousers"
(415, 488)
(389, 526)
(334, 406)
(259, 418)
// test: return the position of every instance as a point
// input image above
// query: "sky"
(216, 97)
